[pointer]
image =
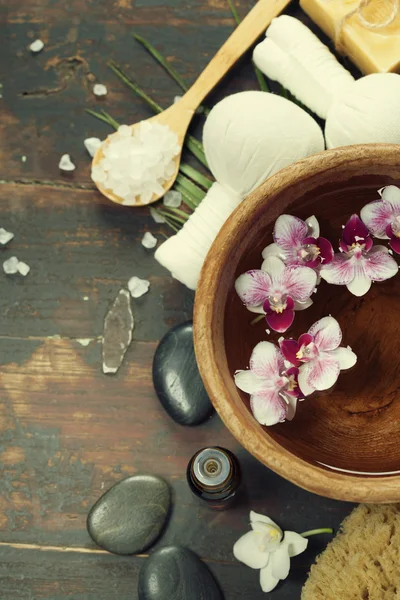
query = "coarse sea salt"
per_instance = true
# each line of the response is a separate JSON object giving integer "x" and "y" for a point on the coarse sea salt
{"x": 23, "y": 268}
{"x": 172, "y": 199}
{"x": 149, "y": 241}
{"x": 66, "y": 163}
{"x": 99, "y": 89}
{"x": 36, "y": 46}
{"x": 157, "y": 217}
{"x": 10, "y": 266}
{"x": 136, "y": 163}
{"x": 5, "y": 236}
{"x": 92, "y": 145}
{"x": 138, "y": 287}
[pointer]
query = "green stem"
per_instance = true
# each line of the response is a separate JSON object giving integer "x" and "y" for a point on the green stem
{"x": 171, "y": 224}
{"x": 177, "y": 211}
{"x": 192, "y": 144}
{"x": 198, "y": 177}
{"x": 103, "y": 117}
{"x": 257, "y": 319}
{"x": 161, "y": 60}
{"x": 187, "y": 197}
{"x": 316, "y": 532}
{"x": 197, "y": 193}
{"x": 262, "y": 82}
{"x": 111, "y": 120}
{"x": 170, "y": 215}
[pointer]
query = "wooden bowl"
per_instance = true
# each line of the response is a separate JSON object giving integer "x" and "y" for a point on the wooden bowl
{"x": 344, "y": 443}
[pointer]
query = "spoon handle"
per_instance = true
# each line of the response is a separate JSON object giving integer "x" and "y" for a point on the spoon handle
{"x": 236, "y": 45}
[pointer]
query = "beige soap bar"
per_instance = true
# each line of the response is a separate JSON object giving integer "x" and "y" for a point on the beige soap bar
{"x": 372, "y": 50}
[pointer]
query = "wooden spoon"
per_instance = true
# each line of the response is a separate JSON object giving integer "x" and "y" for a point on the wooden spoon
{"x": 178, "y": 116}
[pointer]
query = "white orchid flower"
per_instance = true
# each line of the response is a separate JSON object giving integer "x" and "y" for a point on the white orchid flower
{"x": 269, "y": 549}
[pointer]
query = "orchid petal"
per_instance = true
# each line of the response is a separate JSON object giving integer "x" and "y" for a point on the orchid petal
{"x": 274, "y": 266}
{"x": 280, "y": 562}
{"x": 267, "y": 581}
{"x": 248, "y": 552}
{"x": 346, "y": 357}
{"x": 302, "y": 305}
{"x": 280, "y": 321}
{"x": 266, "y": 361}
{"x": 391, "y": 195}
{"x": 256, "y": 309}
{"x": 361, "y": 283}
{"x": 273, "y": 250}
{"x": 395, "y": 244}
{"x": 305, "y": 387}
{"x": 299, "y": 282}
{"x": 376, "y": 216}
{"x": 296, "y": 543}
{"x": 326, "y": 333}
{"x": 258, "y": 518}
{"x": 292, "y": 406}
{"x": 313, "y": 227}
{"x": 340, "y": 271}
{"x": 306, "y": 338}
{"x": 248, "y": 382}
{"x": 322, "y": 373}
{"x": 379, "y": 265}
{"x": 268, "y": 407}
{"x": 354, "y": 228}
{"x": 326, "y": 250}
{"x": 289, "y": 350}
{"x": 289, "y": 232}
{"x": 253, "y": 287}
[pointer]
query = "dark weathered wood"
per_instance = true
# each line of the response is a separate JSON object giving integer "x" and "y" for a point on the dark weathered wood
{"x": 68, "y": 432}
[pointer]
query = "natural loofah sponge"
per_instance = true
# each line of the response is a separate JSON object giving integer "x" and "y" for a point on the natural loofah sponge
{"x": 363, "y": 561}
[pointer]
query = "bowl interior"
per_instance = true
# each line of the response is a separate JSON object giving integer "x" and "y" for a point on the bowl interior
{"x": 354, "y": 427}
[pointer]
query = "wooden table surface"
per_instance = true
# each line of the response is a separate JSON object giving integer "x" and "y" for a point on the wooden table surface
{"x": 68, "y": 432}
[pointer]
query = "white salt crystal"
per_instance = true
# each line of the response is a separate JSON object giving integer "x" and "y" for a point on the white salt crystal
{"x": 36, "y": 46}
{"x": 177, "y": 98}
{"x": 268, "y": 331}
{"x": 137, "y": 162}
{"x": 390, "y": 251}
{"x": 99, "y": 89}
{"x": 23, "y": 159}
{"x": 23, "y": 268}
{"x": 149, "y": 241}
{"x": 138, "y": 287}
{"x": 158, "y": 218}
{"x": 92, "y": 145}
{"x": 10, "y": 266}
{"x": 84, "y": 341}
{"x": 172, "y": 199}
{"x": 86, "y": 298}
{"x": 66, "y": 163}
{"x": 5, "y": 236}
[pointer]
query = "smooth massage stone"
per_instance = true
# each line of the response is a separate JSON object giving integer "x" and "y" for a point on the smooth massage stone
{"x": 177, "y": 380}
{"x": 175, "y": 573}
{"x": 130, "y": 516}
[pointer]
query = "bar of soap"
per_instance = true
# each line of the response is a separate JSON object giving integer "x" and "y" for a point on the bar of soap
{"x": 372, "y": 50}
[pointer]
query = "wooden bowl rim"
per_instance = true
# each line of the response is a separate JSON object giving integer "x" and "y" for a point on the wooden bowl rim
{"x": 213, "y": 367}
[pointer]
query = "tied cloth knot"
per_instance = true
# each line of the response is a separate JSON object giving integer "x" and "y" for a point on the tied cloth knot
{"x": 381, "y": 14}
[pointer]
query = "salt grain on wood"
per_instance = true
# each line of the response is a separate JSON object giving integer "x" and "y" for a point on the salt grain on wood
{"x": 149, "y": 241}
{"x": 157, "y": 217}
{"x": 136, "y": 163}
{"x": 172, "y": 199}
{"x": 36, "y": 46}
{"x": 23, "y": 268}
{"x": 138, "y": 287}
{"x": 10, "y": 266}
{"x": 99, "y": 89}
{"x": 5, "y": 236}
{"x": 92, "y": 145}
{"x": 66, "y": 163}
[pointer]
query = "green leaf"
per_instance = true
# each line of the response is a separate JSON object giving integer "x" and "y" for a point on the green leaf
{"x": 194, "y": 174}
{"x": 162, "y": 61}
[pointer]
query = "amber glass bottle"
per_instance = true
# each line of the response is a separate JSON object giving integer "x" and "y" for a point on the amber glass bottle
{"x": 213, "y": 475}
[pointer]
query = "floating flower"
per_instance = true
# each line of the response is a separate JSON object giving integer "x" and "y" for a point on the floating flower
{"x": 382, "y": 217}
{"x": 273, "y": 390}
{"x": 360, "y": 262}
{"x": 267, "y": 548}
{"x": 276, "y": 290}
{"x": 319, "y": 356}
{"x": 297, "y": 242}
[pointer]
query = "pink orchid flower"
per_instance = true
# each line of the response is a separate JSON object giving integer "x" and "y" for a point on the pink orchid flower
{"x": 319, "y": 356}
{"x": 297, "y": 242}
{"x": 276, "y": 290}
{"x": 273, "y": 390}
{"x": 359, "y": 263}
{"x": 382, "y": 217}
